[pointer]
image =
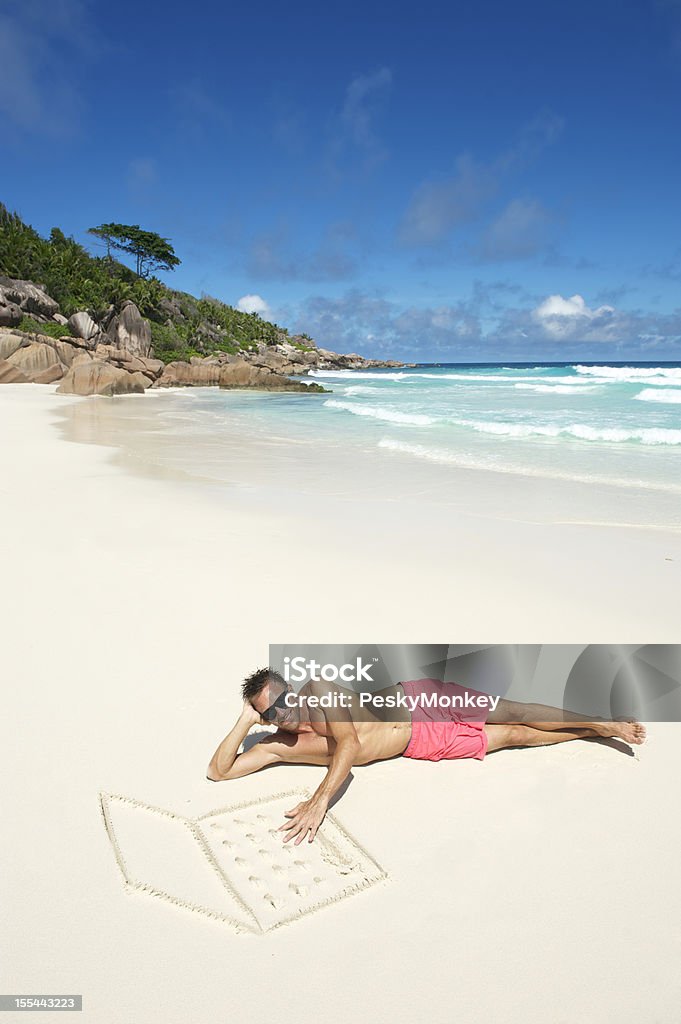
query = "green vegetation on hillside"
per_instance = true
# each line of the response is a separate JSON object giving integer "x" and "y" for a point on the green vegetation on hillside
{"x": 181, "y": 325}
{"x": 52, "y": 329}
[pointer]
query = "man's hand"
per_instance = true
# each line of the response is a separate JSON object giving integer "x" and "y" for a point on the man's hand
{"x": 305, "y": 818}
{"x": 249, "y": 715}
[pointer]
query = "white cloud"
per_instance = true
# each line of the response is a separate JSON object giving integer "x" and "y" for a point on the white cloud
{"x": 520, "y": 231}
{"x": 363, "y": 95}
{"x": 564, "y": 318}
{"x": 483, "y": 327}
{"x": 437, "y": 207}
{"x": 273, "y": 257}
{"x": 253, "y": 304}
{"x": 373, "y": 325}
{"x": 354, "y": 142}
{"x": 535, "y": 136}
{"x": 440, "y": 205}
{"x": 556, "y": 305}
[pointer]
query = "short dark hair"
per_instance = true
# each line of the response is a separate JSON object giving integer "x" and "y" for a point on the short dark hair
{"x": 258, "y": 680}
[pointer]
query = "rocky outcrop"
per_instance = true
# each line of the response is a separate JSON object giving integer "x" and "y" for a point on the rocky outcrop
{"x": 83, "y": 326}
{"x": 80, "y": 365}
{"x": 36, "y": 358}
{"x": 198, "y": 373}
{"x": 11, "y": 374}
{"x": 93, "y": 377}
{"x": 129, "y": 330}
{"x": 241, "y": 374}
{"x": 41, "y": 359}
{"x": 114, "y": 355}
{"x": 29, "y": 297}
{"x": 230, "y": 372}
{"x": 288, "y": 357}
{"x": 13, "y": 346}
{"x": 33, "y": 359}
{"x": 124, "y": 360}
{"x": 10, "y": 341}
{"x": 10, "y": 314}
{"x": 86, "y": 366}
{"x": 171, "y": 309}
{"x": 50, "y": 375}
{"x": 66, "y": 348}
{"x": 282, "y": 359}
{"x": 326, "y": 360}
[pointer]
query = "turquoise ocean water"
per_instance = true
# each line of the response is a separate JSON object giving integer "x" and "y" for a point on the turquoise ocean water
{"x": 595, "y": 423}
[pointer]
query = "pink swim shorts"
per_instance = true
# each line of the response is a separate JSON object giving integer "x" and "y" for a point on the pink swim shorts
{"x": 443, "y": 733}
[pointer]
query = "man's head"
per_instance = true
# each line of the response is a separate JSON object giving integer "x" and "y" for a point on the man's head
{"x": 265, "y": 690}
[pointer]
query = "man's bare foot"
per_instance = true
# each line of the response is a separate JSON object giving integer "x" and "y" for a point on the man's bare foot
{"x": 630, "y": 732}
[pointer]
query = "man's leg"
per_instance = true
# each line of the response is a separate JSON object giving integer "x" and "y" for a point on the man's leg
{"x": 545, "y": 718}
{"x": 499, "y": 737}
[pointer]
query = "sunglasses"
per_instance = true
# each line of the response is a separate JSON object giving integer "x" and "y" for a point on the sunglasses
{"x": 270, "y": 713}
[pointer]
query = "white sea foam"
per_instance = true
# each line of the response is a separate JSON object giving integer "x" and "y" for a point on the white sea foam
{"x": 585, "y": 381}
{"x": 559, "y": 389}
{"x": 469, "y": 462}
{"x": 510, "y": 429}
{"x": 631, "y": 373}
{"x": 439, "y": 455}
{"x": 579, "y": 431}
{"x": 484, "y": 377}
{"x": 668, "y": 396}
{"x": 361, "y": 389}
{"x": 381, "y": 413}
{"x": 644, "y": 435}
{"x": 357, "y": 375}
{"x": 466, "y": 377}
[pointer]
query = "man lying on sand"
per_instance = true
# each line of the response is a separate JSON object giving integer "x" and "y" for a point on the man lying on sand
{"x": 430, "y": 720}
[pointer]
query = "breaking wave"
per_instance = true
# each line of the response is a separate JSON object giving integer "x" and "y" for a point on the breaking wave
{"x": 464, "y": 461}
{"x": 560, "y": 389}
{"x": 631, "y": 373}
{"x": 381, "y": 413}
{"x": 644, "y": 435}
{"x": 668, "y": 396}
{"x": 361, "y": 389}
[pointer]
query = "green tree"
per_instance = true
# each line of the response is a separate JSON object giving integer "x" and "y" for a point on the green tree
{"x": 151, "y": 251}
{"x": 107, "y": 233}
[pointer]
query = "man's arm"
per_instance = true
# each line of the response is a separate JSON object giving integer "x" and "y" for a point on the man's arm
{"x": 227, "y": 763}
{"x": 307, "y": 816}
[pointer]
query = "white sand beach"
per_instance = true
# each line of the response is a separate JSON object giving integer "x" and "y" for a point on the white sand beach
{"x": 536, "y": 886}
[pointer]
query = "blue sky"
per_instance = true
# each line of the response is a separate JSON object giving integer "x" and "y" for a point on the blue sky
{"x": 480, "y": 180}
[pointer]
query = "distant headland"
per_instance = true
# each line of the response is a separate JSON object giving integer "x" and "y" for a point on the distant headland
{"x": 93, "y": 325}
